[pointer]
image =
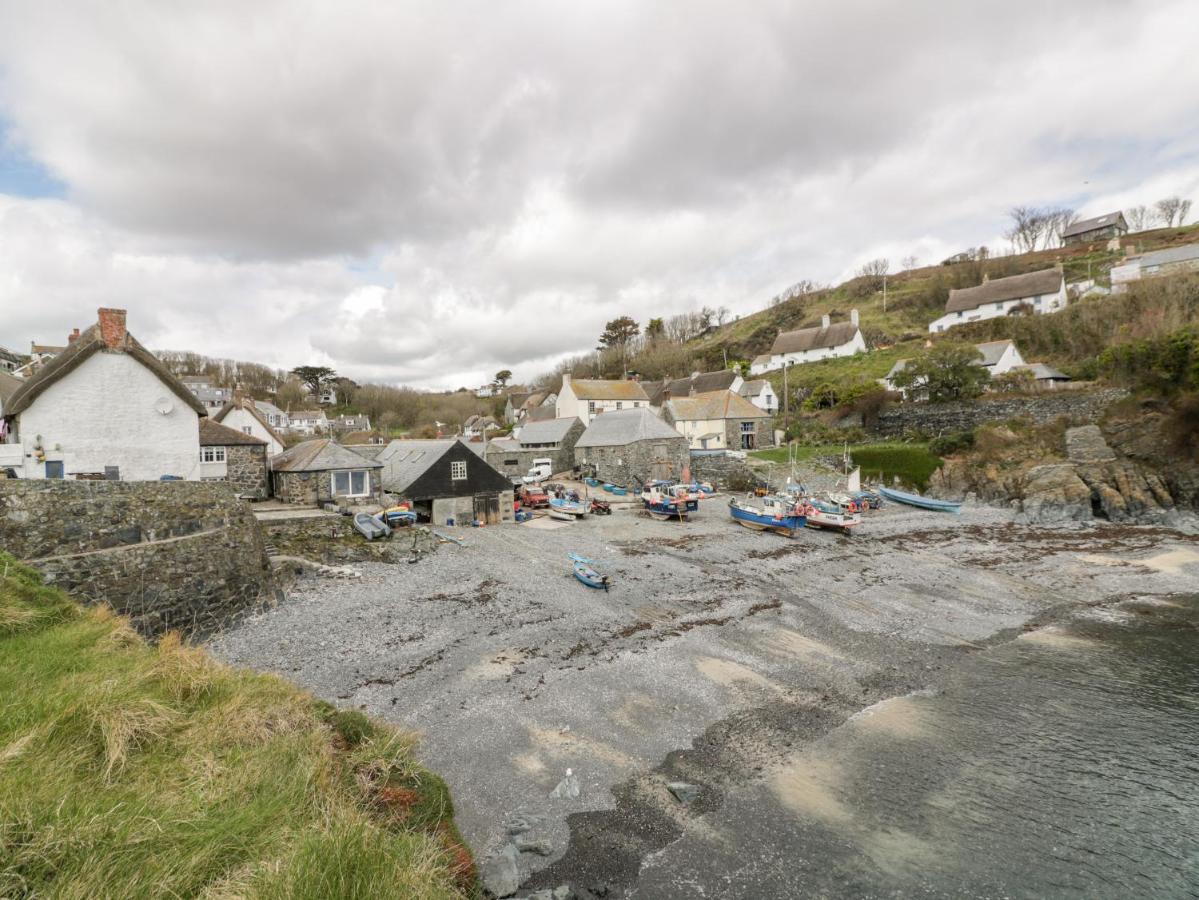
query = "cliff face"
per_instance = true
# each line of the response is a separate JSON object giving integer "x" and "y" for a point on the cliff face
{"x": 1121, "y": 472}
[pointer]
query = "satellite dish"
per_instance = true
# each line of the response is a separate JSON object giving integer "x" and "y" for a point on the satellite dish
{"x": 164, "y": 405}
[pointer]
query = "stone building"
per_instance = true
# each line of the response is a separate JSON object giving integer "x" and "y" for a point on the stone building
{"x": 553, "y": 439}
{"x": 244, "y": 415}
{"x": 631, "y": 447}
{"x": 446, "y": 481}
{"x": 235, "y": 457}
{"x": 719, "y": 420}
{"x": 322, "y": 471}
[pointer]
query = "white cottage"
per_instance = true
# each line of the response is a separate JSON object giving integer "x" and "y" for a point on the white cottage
{"x": 1033, "y": 292}
{"x": 588, "y": 398}
{"x": 245, "y": 415}
{"x": 811, "y": 344}
{"x": 761, "y": 394}
{"x": 103, "y": 407}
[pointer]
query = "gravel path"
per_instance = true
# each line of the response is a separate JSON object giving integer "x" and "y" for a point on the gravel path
{"x": 716, "y": 650}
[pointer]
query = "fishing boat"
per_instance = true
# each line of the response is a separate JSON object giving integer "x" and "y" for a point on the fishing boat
{"x": 922, "y": 502}
{"x": 398, "y": 516}
{"x": 662, "y": 506}
{"x": 371, "y": 527}
{"x": 572, "y": 508}
{"x": 824, "y": 514}
{"x": 778, "y": 514}
{"x": 846, "y": 502}
{"x": 585, "y": 571}
{"x": 674, "y": 491}
{"x": 560, "y": 515}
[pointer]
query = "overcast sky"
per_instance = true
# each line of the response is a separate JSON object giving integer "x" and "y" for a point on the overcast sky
{"x": 425, "y": 193}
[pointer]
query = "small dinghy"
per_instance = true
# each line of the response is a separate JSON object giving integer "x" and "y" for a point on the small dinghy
{"x": 920, "y": 501}
{"x": 777, "y": 514}
{"x": 560, "y": 515}
{"x": 585, "y": 571}
{"x": 371, "y": 527}
{"x": 570, "y": 507}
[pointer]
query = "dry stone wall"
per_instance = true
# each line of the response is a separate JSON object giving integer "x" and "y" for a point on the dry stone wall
{"x": 943, "y": 418}
{"x": 184, "y": 555}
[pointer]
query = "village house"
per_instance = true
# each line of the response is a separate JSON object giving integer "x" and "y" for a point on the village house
{"x": 760, "y": 393}
{"x": 347, "y": 424}
{"x": 1045, "y": 377}
{"x": 308, "y": 421}
{"x": 477, "y": 426}
{"x": 806, "y": 345}
{"x": 998, "y": 357}
{"x": 588, "y": 398}
{"x": 521, "y": 404}
{"x": 205, "y": 391}
{"x": 105, "y": 407}
{"x": 447, "y": 482}
{"x": 275, "y": 417}
{"x": 719, "y": 420}
{"x": 1034, "y": 292}
{"x": 246, "y": 416}
{"x": 322, "y": 471}
{"x": 1100, "y": 228}
{"x": 697, "y": 382}
{"x": 235, "y": 457}
{"x": 10, "y": 361}
{"x": 1171, "y": 261}
{"x": 554, "y": 439}
{"x": 631, "y": 446}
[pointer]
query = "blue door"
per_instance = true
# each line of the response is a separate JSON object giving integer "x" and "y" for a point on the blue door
{"x": 54, "y": 468}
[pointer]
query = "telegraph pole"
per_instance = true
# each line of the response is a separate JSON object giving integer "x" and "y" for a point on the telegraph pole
{"x": 786, "y": 400}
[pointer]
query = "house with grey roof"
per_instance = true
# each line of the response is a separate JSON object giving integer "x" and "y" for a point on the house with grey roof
{"x": 552, "y": 439}
{"x": 1170, "y": 261}
{"x": 1033, "y": 293}
{"x": 236, "y": 457}
{"x": 696, "y": 383}
{"x": 446, "y": 482}
{"x": 760, "y": 393}
{"x": 588, "y": 398}
{"x": 631, "y": 447}
{"x": 826, "y": 341}
{"x": 719, "y": 420}
{"x": 212, "y": 396}
{"x": 1099, "y": 228}
{"x": 322, "y": 471}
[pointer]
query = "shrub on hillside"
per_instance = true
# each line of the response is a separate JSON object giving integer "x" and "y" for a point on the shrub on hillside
{"x": 1182, "y": 426}
{"x": 1163, "y": 365}
{"x": 954, "y": 442}
{"x": 946, "y": 372}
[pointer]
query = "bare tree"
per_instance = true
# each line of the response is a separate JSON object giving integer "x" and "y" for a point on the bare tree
{"x": 1057, "y": 220}
{"x": 1138, "y": 217}
{"x": 722, "y": 314}
{"x": 1172, "y": 210}
{"x": 875, "y": 268}
{"x": 801, "y": 288}
{"x": 1028, "y": 224}
{"x": 910, "y": 262}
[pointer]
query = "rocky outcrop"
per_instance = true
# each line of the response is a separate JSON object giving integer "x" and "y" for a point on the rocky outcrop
{"x": 1093, "y": 481}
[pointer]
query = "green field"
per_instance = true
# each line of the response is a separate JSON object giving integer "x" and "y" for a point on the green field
{"x": 913, "y": 464}
{"x": 131, "y": 770}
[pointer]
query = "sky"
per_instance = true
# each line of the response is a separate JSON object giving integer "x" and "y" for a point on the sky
{"x": 424, "y": 194}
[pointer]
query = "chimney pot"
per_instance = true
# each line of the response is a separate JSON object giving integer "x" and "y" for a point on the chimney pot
{"x": 73, "y": 336}
{"x": 825, "y": 321}
{"x": 853, "y": 316}
{"x": 112, "y": 326}
{"x": 565, "y": 379}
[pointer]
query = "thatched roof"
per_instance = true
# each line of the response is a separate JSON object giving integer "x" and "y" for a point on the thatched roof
{"x": 998, "y": 290}
{"x": 818, "y": 338}
{"x": 77, "y": 352}
{"x": 213, "y": 434}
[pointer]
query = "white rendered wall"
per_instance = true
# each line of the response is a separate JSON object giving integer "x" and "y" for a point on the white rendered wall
{"x": 104, "y": 413}
{"x": 239, "y": 419}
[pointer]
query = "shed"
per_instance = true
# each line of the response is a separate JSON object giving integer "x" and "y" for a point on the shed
{"x": 446, "y": 480}
{"x": 323, "y": 471}
{"x": 630, "y": 447}
{"x": 235, "y": 457}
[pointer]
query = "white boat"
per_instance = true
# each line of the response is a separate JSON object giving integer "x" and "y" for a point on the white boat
{"x": 560, "y": 515}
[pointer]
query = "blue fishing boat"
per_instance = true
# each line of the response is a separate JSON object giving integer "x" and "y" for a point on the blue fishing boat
{"x": 768, "y": 514}
{"x": 585, "y": 571}
{"x": 571, "y": 507}
{"x": 917, "y": 500}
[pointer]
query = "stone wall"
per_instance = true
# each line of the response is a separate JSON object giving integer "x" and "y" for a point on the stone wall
{"x": 245, "y": 467}
{"x": 515, "y": 463}
{"x": 763, "y": 433}
{"x": 725, "y": 472}
{"x": 636, "y": 463}
{"x": 300, "y": 488}
{"x": 171, "y": 555}
{"x": 943, "y": 418}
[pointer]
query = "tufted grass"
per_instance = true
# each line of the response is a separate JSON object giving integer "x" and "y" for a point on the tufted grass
{"x": 131, "y": 770}
{"x": 913, "y": 464}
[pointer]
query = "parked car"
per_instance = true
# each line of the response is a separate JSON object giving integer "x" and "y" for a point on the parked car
{"x": 533, "y": 497}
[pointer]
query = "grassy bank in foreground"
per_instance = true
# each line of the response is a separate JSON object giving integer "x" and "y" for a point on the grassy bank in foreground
{"x": 130, "y": 770}
{"x": 913, "y": 464}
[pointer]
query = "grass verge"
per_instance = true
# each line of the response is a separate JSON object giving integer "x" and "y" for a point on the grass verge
{"x": 131, "y": 770}
{"x": 913, "y": 463}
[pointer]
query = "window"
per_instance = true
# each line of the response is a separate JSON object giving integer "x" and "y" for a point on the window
{"x": 591, "y": 407}
{"x": 458, "y": 470}
{"x": 619, "y": 405}
{"x": 245, "y": 429}
{"x": 512, "y": 462}
{"x": 747, "y": 427}
{"x": 212, "y": 454}
{"x": 351, "y": 483}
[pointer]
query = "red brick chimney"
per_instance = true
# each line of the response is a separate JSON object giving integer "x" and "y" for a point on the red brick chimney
{"x": 72, "y": 336}
{"x": 112, "y": 326}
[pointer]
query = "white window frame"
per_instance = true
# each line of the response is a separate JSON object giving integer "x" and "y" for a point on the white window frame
{"x": 458, "y": 470}
{"x": 591, "y": 407}
{"x": 349, "y": 475}
{"x": 247, "y": 429}
{"x": 212, "y": 454}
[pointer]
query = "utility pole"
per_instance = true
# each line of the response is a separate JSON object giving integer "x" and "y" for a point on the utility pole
{"x": 884, "y": 291}
{"x": 725, "y": 353}
{"x": 786, "y": 400}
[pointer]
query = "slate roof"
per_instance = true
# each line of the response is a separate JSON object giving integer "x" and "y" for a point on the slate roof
{"x": 596, "y": 389}
{"x": 252, "y": 409}
{"x": 992, "y": 351}
{"x": 997, "y": 290}
{"x": 818, "y": 338}
{"x": 406, "y": 461}
{"x": 320, "y": 455}
{"x": 713, "y": 405}
{"x": 752, "y": 388}
{"x": 900, "y": 365}
{"x": 1084, "y": 225}
{"x": 306, "y": 414}
{"x": 214, "y": 434}
{"x": 551, "y": 431}
{"x": 1043, "y": 372}
{"x": 626, "y": 426}
{"x": 1169, "y": 255}
{"x": 77, "y": 352}
{"x": 539, "y": 414}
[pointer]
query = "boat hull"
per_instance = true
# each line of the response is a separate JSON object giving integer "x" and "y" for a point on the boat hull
{"x": 784, "y": 525}
{"x": 588, "y": 576}
{"x": 920, "y": 502}
{"x": 666, "y": 510}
